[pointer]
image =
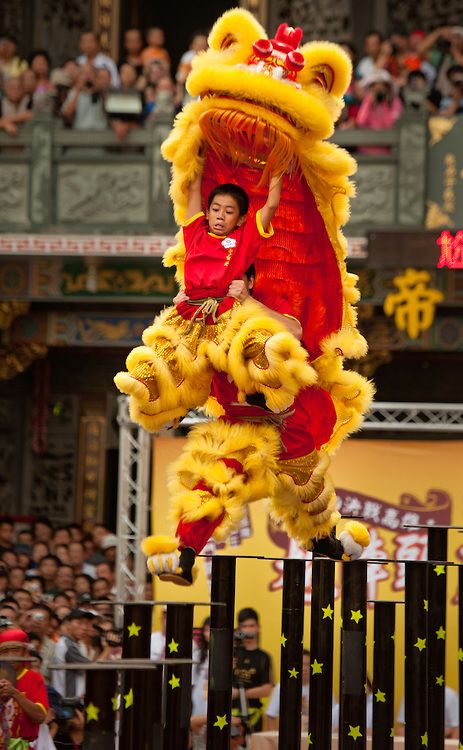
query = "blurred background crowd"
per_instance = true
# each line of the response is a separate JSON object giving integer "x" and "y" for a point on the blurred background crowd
{"x": 91, "y": 91}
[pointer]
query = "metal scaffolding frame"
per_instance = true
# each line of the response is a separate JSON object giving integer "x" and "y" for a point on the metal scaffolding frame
{"x": 135, "y": 462}
{"x": 132, "y": 504}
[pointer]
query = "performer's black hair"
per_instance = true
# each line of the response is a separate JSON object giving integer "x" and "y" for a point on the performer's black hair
{"x": 248, "y": 613}
{"x": 250, "y": 272}
{"x": 235, "y": 191}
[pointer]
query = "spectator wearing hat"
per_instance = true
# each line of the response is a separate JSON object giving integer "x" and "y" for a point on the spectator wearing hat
{"x": 70, "y": 683}
{"x": 380, "y": 108}
{"x": 23, "y": 699}
{"x": 108, "y": 546}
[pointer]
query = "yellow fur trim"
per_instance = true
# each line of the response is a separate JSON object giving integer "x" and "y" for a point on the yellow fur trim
{"x": 358, "y": 532}
{"x": 256, "y": 447}
{"x": 213, "y": 409}
{"x": 155, "y": 422}
{"x": 158, "y": 545}
{"x": 326, "y": 53}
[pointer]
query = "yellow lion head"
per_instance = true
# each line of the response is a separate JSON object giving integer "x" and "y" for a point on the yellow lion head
{"x": 301, "y": 86}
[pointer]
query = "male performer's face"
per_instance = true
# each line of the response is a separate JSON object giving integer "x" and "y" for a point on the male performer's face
{"x": 223, "y": 215}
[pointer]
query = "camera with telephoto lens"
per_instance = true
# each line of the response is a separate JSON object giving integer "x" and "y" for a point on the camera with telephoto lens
{"x": 69, "y": 707}
{"x": 242, "y": 635}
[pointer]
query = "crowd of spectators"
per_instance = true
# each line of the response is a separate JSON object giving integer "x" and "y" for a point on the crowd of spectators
{"x": 57, "y": 585}
{"x": 91, "y": 91}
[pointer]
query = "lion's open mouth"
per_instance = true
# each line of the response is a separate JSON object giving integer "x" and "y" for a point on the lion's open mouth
{"x": 218, "y": 96}
{"x": 248, "y": 139}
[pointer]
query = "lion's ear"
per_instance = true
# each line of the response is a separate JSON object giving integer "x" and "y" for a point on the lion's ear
{"x": 327, "y": 65}
{"x": 234, "y": 33}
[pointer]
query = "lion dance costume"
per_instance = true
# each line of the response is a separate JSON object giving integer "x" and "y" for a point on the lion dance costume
{"x": 264, "y": 107}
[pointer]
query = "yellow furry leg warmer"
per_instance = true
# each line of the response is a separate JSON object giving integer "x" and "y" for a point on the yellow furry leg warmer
{"x": 223, "y": 467}
{"x": 305, "y": 501}
{"x": 261, "y": 356}
{"x": 169, "y": 375}
{"x": 352, "y": 395}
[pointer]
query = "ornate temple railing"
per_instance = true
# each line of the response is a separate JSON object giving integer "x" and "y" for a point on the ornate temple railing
{"x": 57, "y": 180}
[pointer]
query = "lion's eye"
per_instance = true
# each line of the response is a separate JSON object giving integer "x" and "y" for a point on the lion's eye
{"x": 228, "y": 41}
{"x": 323, "y": 75}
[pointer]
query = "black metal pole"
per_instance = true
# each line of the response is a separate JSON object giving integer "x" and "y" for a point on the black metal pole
{"x": 223, "y": 572}
{"x": 141, "y": 695}
{"x": 99, "y": 713}
{"x": 292, "y": 632}
{"x": 436, "y": 636}
{"x": 383, "y": 676}
{"x": 416, "y": 604}
{"x": 177, "y": 684}
{"x": 352, "y": 722}
{"x": 321, "y": 653}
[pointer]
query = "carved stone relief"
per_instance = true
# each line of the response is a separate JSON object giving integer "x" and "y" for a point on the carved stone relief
{"x": 427, "y": 14}
{"x": 319, "y": 19}
{"x": 41, "y": 174}
{"x": 14, "y": 190}
{"x": 374, "y": 204}
{"x": 94, "y": 193}
{"x": 412, "y": 173}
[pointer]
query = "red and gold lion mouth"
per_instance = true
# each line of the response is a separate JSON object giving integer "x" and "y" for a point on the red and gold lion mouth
{"x": 248, "y": 139}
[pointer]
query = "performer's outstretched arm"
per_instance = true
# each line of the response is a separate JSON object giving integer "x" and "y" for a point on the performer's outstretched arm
{"x": 194, "y": 198}
{"x": 273, "y": 199}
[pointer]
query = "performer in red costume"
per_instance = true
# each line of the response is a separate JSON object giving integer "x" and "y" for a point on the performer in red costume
{"x": 23, "y": 702}
{"x": 303, "y": 428}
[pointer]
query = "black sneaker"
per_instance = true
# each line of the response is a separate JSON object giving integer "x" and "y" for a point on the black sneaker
{"x": 183, "y": 576}
{"x": 328, "y": 546}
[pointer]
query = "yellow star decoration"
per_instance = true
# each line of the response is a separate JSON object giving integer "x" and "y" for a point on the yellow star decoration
{"x": 317, "y": 667}
{"x": 460, "y": 746}
{"x": 392, "y": 733}
{"x": 221, "y": 722}
{"x": 441, "y": 633}
{"x": 354, "y": 732}
{"x": 174, "y": 682}
{"x": 440, "y": 680}
{"x": 129, "y": 699}
{"x": 420, "y": 644}
{"x": 293, "y": 673}
{"x": 309, "y": 739}
{"x": 425, "y": 605}
{"x": 341, "y": 622}
{"x": 328, "y": 612}
{"x": 116, "y": 701}
{"x": 283, "y": 640}
{"x": 356, "y": 616}
{"x": 439, "y": 570}
{"x": 92, "y": 712}
{"x": 380, "y": 696}
{"x": 424, "y": 739}
{"x": 172, "y": 646}
{"x": 460, "y": 654}
{"x": 393, "y": 637}
{"x": 133, "y": 629}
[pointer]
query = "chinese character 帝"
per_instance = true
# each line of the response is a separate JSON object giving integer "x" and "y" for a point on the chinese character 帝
{"x": 413, "y": 306}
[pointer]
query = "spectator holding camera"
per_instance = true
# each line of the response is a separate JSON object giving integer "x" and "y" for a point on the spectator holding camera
{"x": 252, "y": 672}
{"x": 84, "y": 108}
{"x": 380, "y": 108}
{"x": 444, "y": 48}
{"x": 91, "y": 54}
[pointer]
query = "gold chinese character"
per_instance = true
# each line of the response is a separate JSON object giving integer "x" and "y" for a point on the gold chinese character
{"x": 413, "y": 306}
